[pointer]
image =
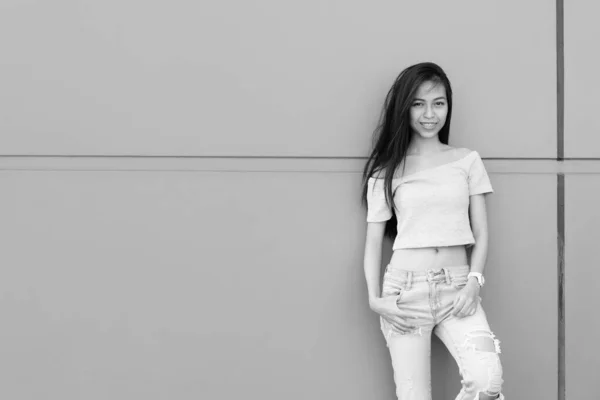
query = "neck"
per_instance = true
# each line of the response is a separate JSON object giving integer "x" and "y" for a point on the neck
{"x": 423, "y": 146}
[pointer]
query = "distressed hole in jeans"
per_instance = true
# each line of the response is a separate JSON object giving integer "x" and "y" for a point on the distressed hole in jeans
{"x": 484, "y": 342}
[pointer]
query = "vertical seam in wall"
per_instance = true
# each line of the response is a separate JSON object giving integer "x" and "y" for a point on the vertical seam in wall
{"x": 560, "y": 154}
{"x": 561, "y": 285}
{"x": 560, "y": 81}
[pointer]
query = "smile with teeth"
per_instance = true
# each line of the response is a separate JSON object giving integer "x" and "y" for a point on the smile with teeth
{"x": 428, "y": 125}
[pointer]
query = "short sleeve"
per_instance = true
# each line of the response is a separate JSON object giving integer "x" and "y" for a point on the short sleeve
{"x": 377, "y": 208}
{"x": 479, "y": 181}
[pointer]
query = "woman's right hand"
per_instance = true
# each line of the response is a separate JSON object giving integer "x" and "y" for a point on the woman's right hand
{"x": 389, "y": 310}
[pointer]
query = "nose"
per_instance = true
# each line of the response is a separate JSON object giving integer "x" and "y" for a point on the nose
{"x": 428, "y": 111}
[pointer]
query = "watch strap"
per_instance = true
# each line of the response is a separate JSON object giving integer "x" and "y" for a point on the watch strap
{"x": 478, "y": 276}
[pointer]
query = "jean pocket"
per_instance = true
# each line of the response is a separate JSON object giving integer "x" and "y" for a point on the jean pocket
{"x": 459, "y": 282}
{"x": 392, "y": 287}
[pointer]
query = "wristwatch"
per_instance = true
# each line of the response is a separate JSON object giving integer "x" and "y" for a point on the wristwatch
{"x": 479, "y": 276}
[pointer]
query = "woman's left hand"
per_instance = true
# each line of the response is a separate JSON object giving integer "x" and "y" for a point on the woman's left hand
{"x": 466, "y": 300}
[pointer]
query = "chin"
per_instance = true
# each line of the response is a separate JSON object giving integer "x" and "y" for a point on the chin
{"x": 428, "y": 135}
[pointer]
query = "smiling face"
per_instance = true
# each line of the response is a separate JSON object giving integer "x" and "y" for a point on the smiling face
{"x": 429, "y": 109}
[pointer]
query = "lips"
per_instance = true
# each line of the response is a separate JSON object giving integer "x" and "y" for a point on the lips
{"x": 428, "y": 125}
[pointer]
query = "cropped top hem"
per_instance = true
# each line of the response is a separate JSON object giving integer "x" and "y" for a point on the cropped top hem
{"x": 431, "y": 205}
{"x": 403, "y": 246}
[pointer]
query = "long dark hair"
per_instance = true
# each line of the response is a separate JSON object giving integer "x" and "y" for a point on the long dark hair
{"x": 393, "y": 133}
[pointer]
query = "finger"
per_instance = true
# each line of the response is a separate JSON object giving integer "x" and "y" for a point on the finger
{"x": 394, "y": 324}
{"x": 402, "y": 313}
{"x": 464, "y": 309}
{"x": 403, "y": 324}
{"x": 402, "y": 328}
{"x": 461, "y": 314}
{"x": 474, "y": 310}
{"x": 456, "y": 300}
{"x": 399, "y": 327}
{"x": 459, "y": 303}
{"x": 399, "y": 323}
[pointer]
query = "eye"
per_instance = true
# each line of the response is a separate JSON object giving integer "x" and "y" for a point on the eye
{"x": 440, "y": 103}
{"x": 417, "y": 104}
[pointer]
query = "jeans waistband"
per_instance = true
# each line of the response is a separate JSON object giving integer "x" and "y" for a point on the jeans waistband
{"x": 429, "y": 275}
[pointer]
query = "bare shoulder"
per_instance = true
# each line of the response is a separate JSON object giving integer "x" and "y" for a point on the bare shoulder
{"x": 462, "y": 152}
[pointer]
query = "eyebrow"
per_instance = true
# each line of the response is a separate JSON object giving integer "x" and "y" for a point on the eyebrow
{"x": 437, "y": 98}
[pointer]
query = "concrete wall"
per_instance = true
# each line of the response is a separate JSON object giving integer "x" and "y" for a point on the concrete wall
{"x": 180, "y": 207}
{"x": 582, "y": 187}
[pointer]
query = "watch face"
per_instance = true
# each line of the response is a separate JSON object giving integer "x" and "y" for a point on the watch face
{"x": 479, "y": 277}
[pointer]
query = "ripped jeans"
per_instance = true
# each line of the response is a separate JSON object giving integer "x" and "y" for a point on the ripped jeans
{"x": 428, "y": 296}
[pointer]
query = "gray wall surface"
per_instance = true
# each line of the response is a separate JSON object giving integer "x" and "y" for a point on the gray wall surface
{"x": 180, "y": 193}
{"x": 264, "y": 78}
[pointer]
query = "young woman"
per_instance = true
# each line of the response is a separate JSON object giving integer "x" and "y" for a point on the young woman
{"x": 430, "y": 198}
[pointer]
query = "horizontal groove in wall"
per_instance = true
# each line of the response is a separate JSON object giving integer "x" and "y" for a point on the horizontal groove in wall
{"x": 251, "y": 157}
{"x": 159, "y": 156}
{"x": 322, "y": 165}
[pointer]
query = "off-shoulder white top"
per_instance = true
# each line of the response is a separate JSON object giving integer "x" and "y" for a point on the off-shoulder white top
{"x": 432, "y": 205}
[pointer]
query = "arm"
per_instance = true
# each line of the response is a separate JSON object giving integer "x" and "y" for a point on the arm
{"x": 384, "y": 306}
{"x": 479, "y": 185}
{"x": 372, "y": 259}
{"x": 479, "y": 226}
{"x": 465, "y": 302}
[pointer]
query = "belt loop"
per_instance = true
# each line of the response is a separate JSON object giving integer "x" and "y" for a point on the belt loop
{"x": 447, "y": 273}
{"x": 409, "y": 279}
